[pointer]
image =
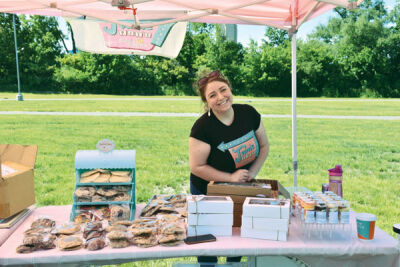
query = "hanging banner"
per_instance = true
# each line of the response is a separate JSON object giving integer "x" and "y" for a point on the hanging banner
{"x": 110, "y": 38}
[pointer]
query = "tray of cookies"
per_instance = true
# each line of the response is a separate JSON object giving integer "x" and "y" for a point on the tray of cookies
{"x": 104, "y": 178}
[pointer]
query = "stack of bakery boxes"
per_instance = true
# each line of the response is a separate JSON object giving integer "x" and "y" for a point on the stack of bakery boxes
{"x": 209, "y": 215}
{"x": 265, "y": 218}
{"x": 105, "y": 184}
{"x": 256, "y": 207}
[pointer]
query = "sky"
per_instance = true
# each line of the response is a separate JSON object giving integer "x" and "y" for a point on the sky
{"x": 248, "y": 32}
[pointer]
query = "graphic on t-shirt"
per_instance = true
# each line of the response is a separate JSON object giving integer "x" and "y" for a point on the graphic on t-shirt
{"x": 243, "y": 150}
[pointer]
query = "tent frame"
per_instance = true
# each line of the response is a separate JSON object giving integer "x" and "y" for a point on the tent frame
{"x": 193, "y": 13}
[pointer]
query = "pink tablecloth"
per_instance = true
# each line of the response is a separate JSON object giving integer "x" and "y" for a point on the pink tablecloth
{"x": 382, "y": 250}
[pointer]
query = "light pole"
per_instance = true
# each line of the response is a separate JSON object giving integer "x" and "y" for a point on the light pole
{"x": 19, "y": 95}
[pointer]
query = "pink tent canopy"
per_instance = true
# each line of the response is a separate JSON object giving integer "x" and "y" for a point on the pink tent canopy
{"x": 283, "y": 14}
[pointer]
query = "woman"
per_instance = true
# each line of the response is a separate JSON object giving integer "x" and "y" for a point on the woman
{"x": 228, "y": 143}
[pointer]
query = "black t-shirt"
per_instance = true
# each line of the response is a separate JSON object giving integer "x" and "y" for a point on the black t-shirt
{"x": 232, "y": 147}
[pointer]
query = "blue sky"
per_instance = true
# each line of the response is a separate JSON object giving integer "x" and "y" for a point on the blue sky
{"x": 247, "y": 32}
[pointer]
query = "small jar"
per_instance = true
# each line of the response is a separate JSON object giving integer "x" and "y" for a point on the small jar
{"x": 344, "y": 211}
{"x": 333, "y": 215}
{"x": 309, "y": 211}
{"x": 320, "y": 212}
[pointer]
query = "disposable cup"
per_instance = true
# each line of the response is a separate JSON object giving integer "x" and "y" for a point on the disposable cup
{"x": 365, "y": 226}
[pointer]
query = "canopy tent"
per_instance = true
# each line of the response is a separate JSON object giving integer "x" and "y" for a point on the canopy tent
{"x": 287, "y": 15}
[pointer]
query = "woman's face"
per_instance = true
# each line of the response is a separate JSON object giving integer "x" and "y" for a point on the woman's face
{"x": 219, "y": 96}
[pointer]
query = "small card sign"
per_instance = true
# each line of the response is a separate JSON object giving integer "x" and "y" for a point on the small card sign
{"x": 105, "y": 145}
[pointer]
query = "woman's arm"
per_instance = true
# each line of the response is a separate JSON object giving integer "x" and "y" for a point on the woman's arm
{"x": 264, "y": 149}
{"x": 198, "y": 154}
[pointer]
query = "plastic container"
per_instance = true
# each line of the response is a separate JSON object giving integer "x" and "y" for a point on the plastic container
{"x": 365, "y": 226}
{"x": 335, "y": 180}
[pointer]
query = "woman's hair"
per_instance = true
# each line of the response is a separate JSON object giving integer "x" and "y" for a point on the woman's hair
{"x": 206, "y": 78}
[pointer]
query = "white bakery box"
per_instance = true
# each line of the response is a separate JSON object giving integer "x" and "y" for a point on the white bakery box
{"x": 210, "y": 215}
{"x": 265, "y": 218}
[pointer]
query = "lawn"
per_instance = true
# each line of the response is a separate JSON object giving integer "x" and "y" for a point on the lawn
{"x": 104, "y": 103}
{"x": 369, "y": 150}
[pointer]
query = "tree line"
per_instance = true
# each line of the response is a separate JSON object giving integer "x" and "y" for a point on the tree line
{"x": 355, "y": 55}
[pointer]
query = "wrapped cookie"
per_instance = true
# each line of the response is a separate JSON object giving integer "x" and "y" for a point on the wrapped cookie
{"x": 119, "y": 213}
{"x": 68, "y": 243}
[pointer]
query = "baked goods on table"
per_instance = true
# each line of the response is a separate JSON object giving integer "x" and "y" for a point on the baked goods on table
{"x": 97, "y": 226}
{"x": 105, "y": 176}
{"x": 165, "y": 204}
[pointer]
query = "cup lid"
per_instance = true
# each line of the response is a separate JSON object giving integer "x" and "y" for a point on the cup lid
{"x": 396, "y": 228}
{"x": 366, "y": 217}
{"x": 337, "y": 171}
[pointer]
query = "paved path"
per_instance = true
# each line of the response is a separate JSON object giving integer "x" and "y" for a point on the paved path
{"x": 166, "y": 114}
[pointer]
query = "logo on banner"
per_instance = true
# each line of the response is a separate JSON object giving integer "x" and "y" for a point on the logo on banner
{"x": 243, "y": 150}
{"x": 118, "y": 36}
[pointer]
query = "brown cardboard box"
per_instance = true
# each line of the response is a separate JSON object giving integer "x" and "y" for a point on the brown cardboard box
{"x": 239, "y": 191}
{"x": 17, "y": 190}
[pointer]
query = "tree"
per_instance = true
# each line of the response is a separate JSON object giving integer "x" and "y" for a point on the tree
{"x": 276, "y": 37}
{"x": 8, "y": 77}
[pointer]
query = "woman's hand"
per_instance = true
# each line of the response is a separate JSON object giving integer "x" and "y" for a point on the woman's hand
{"x": 240, "y": 176}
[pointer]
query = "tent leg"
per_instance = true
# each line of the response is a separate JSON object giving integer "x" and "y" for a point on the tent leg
{"x": 19, "y": 95}
{"x": 294, "y": 123}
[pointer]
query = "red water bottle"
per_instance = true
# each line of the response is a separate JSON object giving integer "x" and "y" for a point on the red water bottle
{"x": 335, "y": 180}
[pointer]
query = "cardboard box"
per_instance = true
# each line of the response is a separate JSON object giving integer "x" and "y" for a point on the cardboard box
{"x": 239, "y": 191}
{"x": 209, "y": 204}
{"x": 267, "y": 188}
{"x": 17, "y": 190}
{"x": 209, "y": 229}
{"x": 266, "y": 207}
{"x": 265, "y": 223}
{"x": 210, "y": 219}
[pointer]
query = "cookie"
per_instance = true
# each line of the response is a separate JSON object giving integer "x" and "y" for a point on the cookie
{"x": 43, "y": 222}
{"x": 141, "y": 231}
{"x": 89, "y": 173}
{"x": 126, "y": 223}
{"x": 107, "y": 192}
{"x": 91, "y": 178}
{"x": 119, "y": 213}
{"x": 85, "y": 191}
{"x": 121, "y": 197}
{"x": 145, "y": 242}
{"x": 24, "y": 249}
{"x": 117, "y": 235}
{"x": 95, "y": 244}
{"x": 121, "y": 173}
{"x": 69, "y": 242}
{"x": 116, "y": 227}
{"x": 68, "y": 228}
{"x": 119, "y": 243}
{"x": 103, "y": 178}
{"x": 119, "y": 179}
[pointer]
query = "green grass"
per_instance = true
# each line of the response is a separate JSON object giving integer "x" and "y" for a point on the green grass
{"x": 369, "y": 151}
{"x": 356, "y": 107}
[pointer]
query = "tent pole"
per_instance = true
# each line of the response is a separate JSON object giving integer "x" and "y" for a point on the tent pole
{"x": 294, "y": 123}
{"x": 19, "y": 95}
